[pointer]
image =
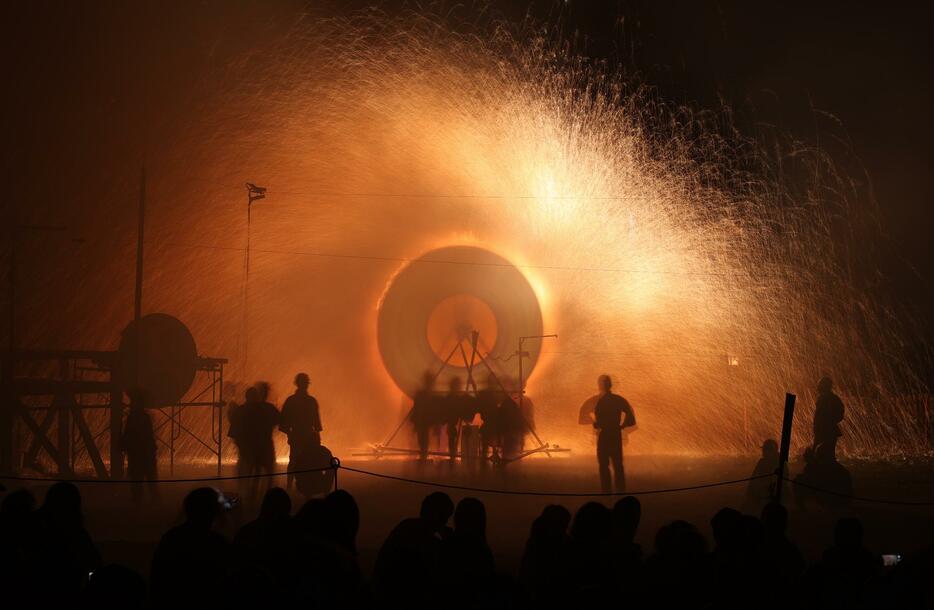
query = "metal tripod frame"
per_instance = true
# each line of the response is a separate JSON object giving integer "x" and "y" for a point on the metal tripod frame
{"x": 378, "y": 450}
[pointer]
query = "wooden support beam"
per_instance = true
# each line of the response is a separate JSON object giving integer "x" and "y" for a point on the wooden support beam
{"x": 88, "y": 439}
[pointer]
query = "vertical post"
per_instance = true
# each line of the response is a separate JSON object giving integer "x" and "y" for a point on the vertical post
{"x": 6, "y": 389}
{"x": 246, "y": 290}
{"x": 138, "y": 309}
{"x": 116, "y": 433}
{"x": 12, "y": 291}
{"x": 521, "y": 392}
{"x": 785, "y": 446}
{"x": 63, "y": 413}
{"x": 220, "y": 419}
{"x": 745, "y": 427}
{"x": 253, "y": 193}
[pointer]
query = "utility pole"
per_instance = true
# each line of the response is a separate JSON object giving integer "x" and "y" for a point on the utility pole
{"x": 138, "y": 309}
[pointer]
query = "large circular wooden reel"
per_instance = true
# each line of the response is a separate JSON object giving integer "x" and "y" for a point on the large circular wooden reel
{"x": 157, "y": 355}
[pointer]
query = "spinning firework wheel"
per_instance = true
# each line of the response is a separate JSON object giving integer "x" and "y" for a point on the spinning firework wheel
{"x": 451, "y": 310}
{"x": 434, "y": 304}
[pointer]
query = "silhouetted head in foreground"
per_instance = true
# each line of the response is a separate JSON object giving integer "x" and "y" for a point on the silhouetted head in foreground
{"x": 727, "y": 527}
{"x": 848, "y": 534}
{"x": 774, "y": 519}
{"x": 202, "y": 507}
{"x": 343, "y": 519}
{"x": 604, "y": 383}
{"x": 470, "y": 519}
{"x": 592, "y": 523}
{"x": 825, "y": 385}
{"x": 62, "y": 505}
{"x": 436, "y": 509}
{"x": 627, "y": 513}
{"x": 550, "y": 527}
{"x": 680, "y": 541}
{"x": 18, "y": 504}
{"x": 302, "y": 381}
{"x": 276, "y": 504}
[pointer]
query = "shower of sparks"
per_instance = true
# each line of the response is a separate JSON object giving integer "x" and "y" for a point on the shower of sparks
{"x": 667, "y": 251}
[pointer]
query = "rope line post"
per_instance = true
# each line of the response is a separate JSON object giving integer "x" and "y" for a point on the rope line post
{"x": 785, "y": 446}
{"x": 335, "y": 466}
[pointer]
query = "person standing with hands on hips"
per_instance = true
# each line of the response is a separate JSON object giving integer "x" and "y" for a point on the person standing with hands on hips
{"x": 607, "y": 421}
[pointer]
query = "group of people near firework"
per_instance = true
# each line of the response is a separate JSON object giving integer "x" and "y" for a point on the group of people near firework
{"x": 488, "y": 424}
{"x": 252, "y": 425}
{"x": 253, "y": 422}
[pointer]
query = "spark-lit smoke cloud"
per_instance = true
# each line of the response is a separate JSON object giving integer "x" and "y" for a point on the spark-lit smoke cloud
{"x": 664, "y": 248}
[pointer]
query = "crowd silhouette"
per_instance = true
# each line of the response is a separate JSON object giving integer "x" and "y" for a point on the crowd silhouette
{"x": 442, "y": 558}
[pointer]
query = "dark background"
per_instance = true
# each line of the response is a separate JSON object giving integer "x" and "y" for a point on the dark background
{"x": 88, "y": 84}
{"x": 788, "y": 63}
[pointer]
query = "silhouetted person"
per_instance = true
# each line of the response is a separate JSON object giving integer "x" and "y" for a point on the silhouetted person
{"x": 466, "y": 562}
{"x": 677, "y": 574}
{"x": 841, "y": 577}
{"x": 488, "y": 407}
{"x": 20, "y": 555}
{"x": 266, "y": 540}
{"x": 828, "y": 414}
{"x": 139, "y": 445}
{"x": 301, "y": 422}
{"x": 406, "y": 570}
{"x": 190, "y": 560}
{"x": 423, "y": 413}
{"x": 627, "y": 553}
{"x": 260, "y": 419}
{"x": 544, "y": 569}
{"x": 779, "y": 561}
{"x": 609, "y": 422}
{"x": 592, "y": 569}
{"x": 760, "y": 490}
{"x": 237, "y": 431}
{"x": 324, "y": 563}
{"x": 453, "y": 410}
{"x": 627, "y": 512}
{"x": 822, "y": 472}
{"x": 731, "y": 570}
{"x": 67, "y": 553}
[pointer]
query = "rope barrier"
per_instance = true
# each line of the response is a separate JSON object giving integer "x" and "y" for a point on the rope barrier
{"x": 551, "y": 493}
{"x": 191, "y": 480}
{"x": 858, "y": 498}
{"x": 336, "y": 465}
